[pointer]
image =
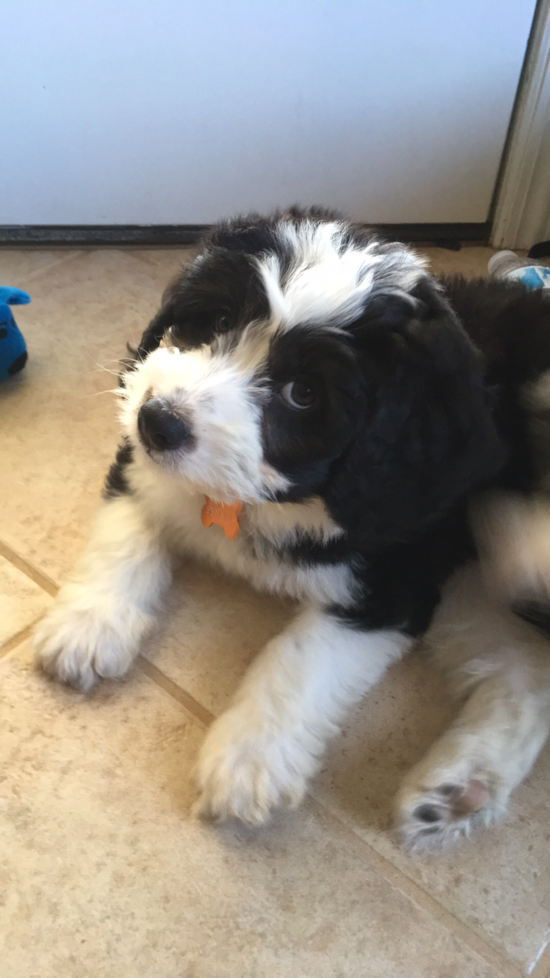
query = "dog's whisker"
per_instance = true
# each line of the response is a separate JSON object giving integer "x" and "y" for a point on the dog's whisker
{"x": 118, "y": 391}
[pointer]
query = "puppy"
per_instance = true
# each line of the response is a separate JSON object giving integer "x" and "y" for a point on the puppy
{"x": 311, "y": 409}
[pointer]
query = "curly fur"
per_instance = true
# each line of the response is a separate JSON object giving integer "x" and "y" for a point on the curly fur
{"x": 412, "y": 396}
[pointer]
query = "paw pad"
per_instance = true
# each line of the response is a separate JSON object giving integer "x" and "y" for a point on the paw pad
{"x": 440, "y": 813}
{"x": 428, "y": 813}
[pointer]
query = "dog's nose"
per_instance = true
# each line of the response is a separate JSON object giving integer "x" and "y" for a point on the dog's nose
{"x": 159, "y": 428}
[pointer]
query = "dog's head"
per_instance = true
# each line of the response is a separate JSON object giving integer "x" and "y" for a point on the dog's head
{"x": 299, "y": 356}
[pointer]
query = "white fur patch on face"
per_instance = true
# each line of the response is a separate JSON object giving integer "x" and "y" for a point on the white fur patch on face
{"x": 215, "y": 388}
{"x": 215, "y": 392}
{"x": 329, "y": 279}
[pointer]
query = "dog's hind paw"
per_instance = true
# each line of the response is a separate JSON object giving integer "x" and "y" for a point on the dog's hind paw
{"x": 430, "y": 815}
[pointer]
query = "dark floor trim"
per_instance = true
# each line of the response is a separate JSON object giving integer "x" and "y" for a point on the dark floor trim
{"x": 100, "y": 234}
{"x": 184, "y": 234}
{"x": 437, "y": 233}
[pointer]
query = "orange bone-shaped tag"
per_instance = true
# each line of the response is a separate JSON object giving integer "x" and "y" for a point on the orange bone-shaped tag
{"x": 222, "y": 514}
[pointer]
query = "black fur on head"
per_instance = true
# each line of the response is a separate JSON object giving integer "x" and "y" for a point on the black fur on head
{"x": 400, "y": 423}
{"x": 223, "y": 286}
{"x": 425, "y": 435}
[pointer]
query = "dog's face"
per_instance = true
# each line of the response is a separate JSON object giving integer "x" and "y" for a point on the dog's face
{"x": 299, "y": 356}
{"x": 256, "y": 388}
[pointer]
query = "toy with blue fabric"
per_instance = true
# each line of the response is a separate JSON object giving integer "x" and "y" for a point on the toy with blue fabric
{"x": 13, "y": 349}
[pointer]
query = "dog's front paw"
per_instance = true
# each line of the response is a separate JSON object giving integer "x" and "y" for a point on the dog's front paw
{"x": 246, "y": 770}
{"x": 77, "y": 644}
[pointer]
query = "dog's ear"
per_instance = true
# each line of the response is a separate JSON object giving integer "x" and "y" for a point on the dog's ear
{"x": 427, "y": 435}
{"x": 160, "y": 323}
{"x": 210, "y": 295}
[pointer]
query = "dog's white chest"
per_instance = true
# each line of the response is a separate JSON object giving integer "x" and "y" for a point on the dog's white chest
{"x": 254, "y": 554}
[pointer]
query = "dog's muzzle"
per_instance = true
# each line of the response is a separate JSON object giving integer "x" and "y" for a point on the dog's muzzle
{"x": 159, "y": 428}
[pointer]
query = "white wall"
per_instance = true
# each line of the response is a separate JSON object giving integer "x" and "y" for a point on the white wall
{"x": 179, "y": 111}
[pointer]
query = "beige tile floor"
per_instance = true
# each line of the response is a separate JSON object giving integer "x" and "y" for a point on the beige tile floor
{"x": 103, "y": 871}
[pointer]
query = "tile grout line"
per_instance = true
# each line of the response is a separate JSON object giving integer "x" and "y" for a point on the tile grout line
{"x": 185, "y": 699}
{"x": 32, "y": 276}
{"x": 541, "y": 968}
{"x": 73, "y": 252}
{"x": 27, "y": 568}
{"x": 381, "y": 864}
{"x": 384, "y": 867}
{"x": 21, "y": 636}
{"x": 144, "y": 259}
{"x": 391, "y": 873}
{"x": 190, "y": 704}
{"x": 181, "y": 251}
{"x": 505, "y": 967}
{"x": 395, "y": 876}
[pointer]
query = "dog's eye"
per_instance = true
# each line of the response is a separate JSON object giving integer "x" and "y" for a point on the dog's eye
{"x": 223, "y": 322}
{"x": 300, "y": 393}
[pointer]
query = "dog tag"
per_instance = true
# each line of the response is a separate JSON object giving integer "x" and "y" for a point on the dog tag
{"x": 222, "y": 514}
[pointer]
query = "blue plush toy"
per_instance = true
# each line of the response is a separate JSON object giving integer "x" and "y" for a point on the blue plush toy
{"x": 13, "y": 350}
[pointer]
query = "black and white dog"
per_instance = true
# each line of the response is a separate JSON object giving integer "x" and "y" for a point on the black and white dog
{"x": 329, "y": 407}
